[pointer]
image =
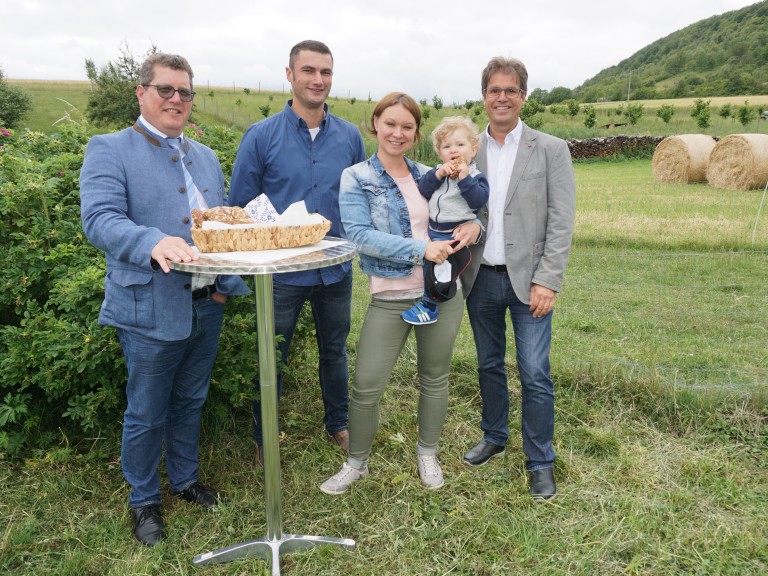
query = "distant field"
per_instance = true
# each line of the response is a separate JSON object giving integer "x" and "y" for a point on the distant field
{"x": 231, "y": 106}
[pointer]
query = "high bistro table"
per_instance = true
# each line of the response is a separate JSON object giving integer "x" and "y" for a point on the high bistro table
{"x": 328, "y": 252}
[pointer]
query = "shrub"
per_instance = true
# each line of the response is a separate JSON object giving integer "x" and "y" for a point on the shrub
{"x": 15, "y": 104}
{"x": 58, "y": 368}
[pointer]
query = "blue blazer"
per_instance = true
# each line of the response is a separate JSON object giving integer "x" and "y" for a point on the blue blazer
{"x": 131, "y": 196}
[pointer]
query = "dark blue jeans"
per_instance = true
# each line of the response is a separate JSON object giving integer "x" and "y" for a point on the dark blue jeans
{"x": 492, "y": 295}
{"x": 331, "y": 308}
{"x": 167, "y": 387}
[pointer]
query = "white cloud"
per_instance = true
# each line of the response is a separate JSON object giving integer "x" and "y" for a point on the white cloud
{"x": 423, "y": 48}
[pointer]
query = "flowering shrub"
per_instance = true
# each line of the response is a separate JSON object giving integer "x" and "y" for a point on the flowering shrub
{"x": 58, "y": 368}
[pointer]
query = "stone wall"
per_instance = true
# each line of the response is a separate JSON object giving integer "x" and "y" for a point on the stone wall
{"x": 608, "y": 145}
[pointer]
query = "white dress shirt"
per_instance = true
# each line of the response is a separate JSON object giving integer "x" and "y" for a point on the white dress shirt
{"x": 501, "y": 160}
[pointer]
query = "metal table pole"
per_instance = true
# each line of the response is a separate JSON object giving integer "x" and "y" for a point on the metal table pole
{"x": 275, "y": 543}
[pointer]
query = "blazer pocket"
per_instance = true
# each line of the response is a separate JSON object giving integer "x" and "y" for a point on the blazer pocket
{"x": 534, "y": 175}
{"x": 128, "y": 297}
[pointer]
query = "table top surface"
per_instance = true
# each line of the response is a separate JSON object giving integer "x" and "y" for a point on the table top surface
{"x": 340, "y": 251}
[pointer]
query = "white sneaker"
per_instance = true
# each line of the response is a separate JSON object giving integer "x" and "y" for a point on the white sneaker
{"x": 429, "y": 471}
{"x": 342, "y": 480}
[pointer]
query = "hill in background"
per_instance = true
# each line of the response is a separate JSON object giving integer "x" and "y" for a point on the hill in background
{"x": 725, "y": 55}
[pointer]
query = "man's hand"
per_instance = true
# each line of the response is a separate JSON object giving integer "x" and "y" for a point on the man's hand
{"x": 174, "y": 249}
{"x": 542, "y": 300}
{"x": 467, "y": 235}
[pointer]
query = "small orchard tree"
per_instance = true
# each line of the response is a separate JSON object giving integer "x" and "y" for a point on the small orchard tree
{"x": 590, "y": 116}
{"x": 247, "y": 91}
{"x": 701, "y": 112}
{"x": 265, "y": 110}
{"x": 746, "y": 114}
{"x": 665, "y": 112}
{"x": 726, "y": 111}
{"x": 15, "y": 104}
{"x": 437, "y": 102}
{"x": 112, "y": 100}
{"x": 634, "y": 113}
{"x": 573, "y": 108}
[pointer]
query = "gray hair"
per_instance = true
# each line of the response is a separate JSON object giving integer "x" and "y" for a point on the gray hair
{"x": 172, "y": 61}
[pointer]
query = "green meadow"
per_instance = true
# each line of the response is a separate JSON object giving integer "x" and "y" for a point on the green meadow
{"x": 660, "y": 365}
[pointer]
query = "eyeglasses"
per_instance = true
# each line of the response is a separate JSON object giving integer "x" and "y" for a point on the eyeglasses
{"x": 167, "y": 92}
{"x": 495, "y": 92}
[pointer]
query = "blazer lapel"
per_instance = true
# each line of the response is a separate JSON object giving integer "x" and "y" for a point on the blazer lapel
{"x": 524, "y": 152}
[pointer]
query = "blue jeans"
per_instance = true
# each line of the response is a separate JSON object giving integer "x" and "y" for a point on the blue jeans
{"x": 331, "y": 308}
{"x": 491, "y": 296}
{"x": 167, "y": 387}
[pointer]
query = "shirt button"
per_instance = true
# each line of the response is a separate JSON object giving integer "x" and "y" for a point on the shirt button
{"x": 185, "y": 219}
{"x": 187, "y": 286}
{"x": 182, "y": 190}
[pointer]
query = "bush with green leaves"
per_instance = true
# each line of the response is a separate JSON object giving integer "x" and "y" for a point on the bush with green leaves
{"x": 590, "y": 116}
{"x": 60, "y": 370}
{"x": 746, "y": 114}
{"x": 15, "y": 104}
{"x": 665, "y": 112}
{"x": 112, "y": 100}
{"x": 702, "y": 113}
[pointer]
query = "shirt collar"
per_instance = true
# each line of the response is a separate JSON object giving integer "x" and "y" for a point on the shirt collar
{"x": 155, "y": 131}
{"x": 298, "y": 121}
{"x": 513, "y": 136}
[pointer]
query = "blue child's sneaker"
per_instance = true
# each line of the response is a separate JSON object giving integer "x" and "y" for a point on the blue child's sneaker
{"x": 420, "y": 314}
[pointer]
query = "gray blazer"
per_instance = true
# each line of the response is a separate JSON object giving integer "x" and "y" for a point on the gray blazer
{"x": 132, "y": 195}
{"x": 538, "y": 215}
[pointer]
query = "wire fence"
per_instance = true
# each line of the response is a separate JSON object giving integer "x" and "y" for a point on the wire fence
{"x": 691, "y": 320}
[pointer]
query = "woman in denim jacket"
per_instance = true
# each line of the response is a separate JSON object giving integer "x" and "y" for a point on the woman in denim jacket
{"x": 386, "y": 217}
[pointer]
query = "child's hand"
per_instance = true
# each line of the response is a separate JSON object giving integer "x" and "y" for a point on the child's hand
{"x": 444, "y": 171}
{"x": 458, "y": 168}
{"x": 463, "y": 170}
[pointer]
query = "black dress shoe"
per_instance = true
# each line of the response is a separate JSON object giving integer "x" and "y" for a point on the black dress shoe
{"x": 148, "y": 525}
{"x": 199, "y": 494}
{"x": 543, "y": 484}
{"x": 481, "y": 453}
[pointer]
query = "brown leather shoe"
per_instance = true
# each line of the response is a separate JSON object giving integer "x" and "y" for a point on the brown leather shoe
{"x": 341, "y": 439}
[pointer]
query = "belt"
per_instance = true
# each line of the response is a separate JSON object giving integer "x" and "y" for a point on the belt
{"x": 204, "y": 292}
{"x": 500, "y": 268}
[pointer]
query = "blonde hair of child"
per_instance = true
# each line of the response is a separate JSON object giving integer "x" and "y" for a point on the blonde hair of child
{"x": 449, "y": 125}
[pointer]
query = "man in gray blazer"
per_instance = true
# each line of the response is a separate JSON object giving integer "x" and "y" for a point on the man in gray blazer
{"x": 137, "y": 188}
{"x": 519, "y": 268}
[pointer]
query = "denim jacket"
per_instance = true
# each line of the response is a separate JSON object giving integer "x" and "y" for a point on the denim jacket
{"x": 376, "y": 219}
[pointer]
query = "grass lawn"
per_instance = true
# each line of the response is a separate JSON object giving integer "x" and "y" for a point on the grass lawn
{"x": 659, "y": 359}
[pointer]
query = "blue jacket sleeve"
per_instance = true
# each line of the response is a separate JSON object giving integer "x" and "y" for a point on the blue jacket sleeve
{"x": 429, "y": 183}
{"x": 475, "y": 190}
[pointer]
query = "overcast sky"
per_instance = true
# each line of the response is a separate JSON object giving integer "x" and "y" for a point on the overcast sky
{"x": 422, "y": 48}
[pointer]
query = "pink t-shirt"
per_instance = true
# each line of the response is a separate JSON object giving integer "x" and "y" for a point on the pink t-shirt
{"x": 410, "y": 286}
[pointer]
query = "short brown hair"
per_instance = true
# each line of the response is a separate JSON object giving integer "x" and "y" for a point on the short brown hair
{"x": 393, "y": 99}
{"x": 311, "y": 46}
{"x": 172, "y": 61}
{"x": 505, "y": 66}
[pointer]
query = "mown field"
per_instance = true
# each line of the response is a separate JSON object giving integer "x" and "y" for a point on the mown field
{"x": 659, "y": 358}
{"x": 58, "y": 101}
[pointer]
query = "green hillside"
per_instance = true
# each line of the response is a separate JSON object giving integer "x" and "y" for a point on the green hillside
{"x": 724, "y": 55}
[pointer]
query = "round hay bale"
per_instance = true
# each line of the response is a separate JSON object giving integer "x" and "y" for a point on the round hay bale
{"x": 682, "y": 159}
{"x": 739, "y": 162}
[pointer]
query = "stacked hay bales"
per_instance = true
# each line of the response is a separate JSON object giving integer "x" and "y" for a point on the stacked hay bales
{"x": 739, "y": 162}
{"x": 682, "y": 159}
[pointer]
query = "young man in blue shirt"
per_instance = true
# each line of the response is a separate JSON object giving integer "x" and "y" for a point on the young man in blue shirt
{"x": 299, "y": 154}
